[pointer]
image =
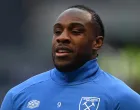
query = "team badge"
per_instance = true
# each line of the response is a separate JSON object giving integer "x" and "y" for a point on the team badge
{"x": 89, "y": 103}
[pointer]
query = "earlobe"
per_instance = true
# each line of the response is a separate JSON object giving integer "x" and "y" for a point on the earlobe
{"x": 97, "y": 43}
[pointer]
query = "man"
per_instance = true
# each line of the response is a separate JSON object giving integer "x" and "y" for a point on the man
{"x": 77, "y": 82}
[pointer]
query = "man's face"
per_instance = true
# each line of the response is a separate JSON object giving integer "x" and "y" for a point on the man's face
{"x": 72, "y": 41}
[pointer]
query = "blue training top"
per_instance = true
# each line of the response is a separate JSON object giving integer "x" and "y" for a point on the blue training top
{"x": 87, "y": 88}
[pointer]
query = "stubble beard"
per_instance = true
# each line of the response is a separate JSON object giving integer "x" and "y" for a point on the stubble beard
{"x": 71, "y": 64}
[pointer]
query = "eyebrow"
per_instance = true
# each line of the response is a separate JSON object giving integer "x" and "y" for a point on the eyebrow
{"x": 71, "y": 24}
{"x": 76, "y": 24}
{"x": 57, "y": 25}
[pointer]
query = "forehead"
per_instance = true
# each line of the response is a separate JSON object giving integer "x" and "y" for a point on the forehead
{"x": 74, "y": 15}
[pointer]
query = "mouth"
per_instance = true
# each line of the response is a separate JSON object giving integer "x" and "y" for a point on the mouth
{"x": 62, "y": 51}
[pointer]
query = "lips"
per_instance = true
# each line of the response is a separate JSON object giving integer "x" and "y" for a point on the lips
{"x": 62, "y": 51}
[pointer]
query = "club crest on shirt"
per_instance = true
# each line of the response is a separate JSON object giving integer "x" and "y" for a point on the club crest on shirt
{"x": 89, "y": 103}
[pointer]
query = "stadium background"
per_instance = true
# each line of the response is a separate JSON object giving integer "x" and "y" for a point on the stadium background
{"x": 26, "y": 33}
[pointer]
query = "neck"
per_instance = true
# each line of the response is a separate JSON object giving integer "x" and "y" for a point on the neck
{"x": 86, "y": 71}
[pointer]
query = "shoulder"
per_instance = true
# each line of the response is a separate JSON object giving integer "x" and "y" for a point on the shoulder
{"x": 33, "y": 81}
{"x": 127, "y": 98}
{"x": 115, "y": 85}
{"x": 112, "y": 83}
{"x": 121, "y": 93}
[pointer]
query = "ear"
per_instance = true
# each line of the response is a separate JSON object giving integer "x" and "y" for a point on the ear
{"x": 97, "y": 43}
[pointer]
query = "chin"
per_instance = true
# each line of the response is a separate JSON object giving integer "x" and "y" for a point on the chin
{"x": 69, "y": 64}
{"x": 64, "y": 66}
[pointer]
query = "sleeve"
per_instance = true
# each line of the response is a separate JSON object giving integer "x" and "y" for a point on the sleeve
{"x": 7, "y": 103}
{"x": 130, "y": 101}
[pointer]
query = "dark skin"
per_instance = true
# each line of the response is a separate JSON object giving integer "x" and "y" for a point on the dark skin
{"x": 75, "y": 40}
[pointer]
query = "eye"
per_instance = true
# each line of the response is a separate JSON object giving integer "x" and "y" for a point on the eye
{"x": 77, "y": 31}
{"x": 57, "y": 32}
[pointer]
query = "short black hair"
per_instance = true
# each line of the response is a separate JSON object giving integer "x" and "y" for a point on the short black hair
{"x": 95, "y": 17}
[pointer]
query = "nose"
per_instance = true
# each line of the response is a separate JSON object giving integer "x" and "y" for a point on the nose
{"x": 63, "y": 38}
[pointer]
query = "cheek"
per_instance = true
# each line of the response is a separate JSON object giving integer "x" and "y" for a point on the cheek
{"x": 53, "y": 42}
{"x": 53, "y": 49}
{"x": 84, "y": 47}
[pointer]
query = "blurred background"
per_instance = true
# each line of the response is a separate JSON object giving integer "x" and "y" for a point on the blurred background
{"x": 26, "y": 34}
